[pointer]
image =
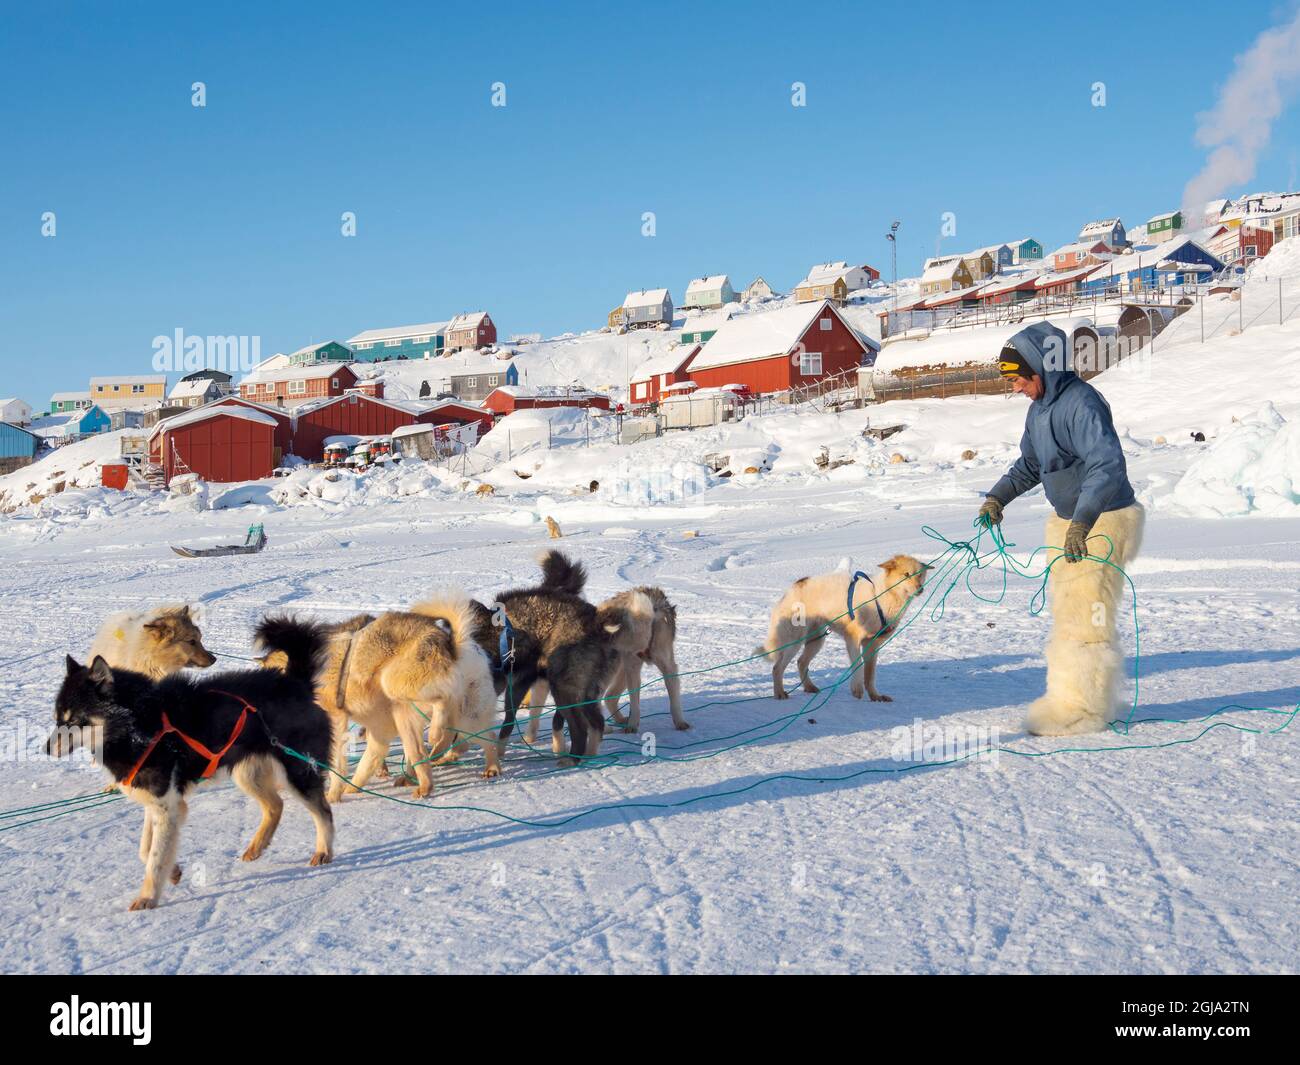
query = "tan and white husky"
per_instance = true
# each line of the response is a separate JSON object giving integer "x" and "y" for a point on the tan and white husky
{"x": 814, "y": 607}
{"x": 156, "y": 642}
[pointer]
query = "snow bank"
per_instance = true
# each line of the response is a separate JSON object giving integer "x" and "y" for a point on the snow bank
{"x": 1253, "y": 469}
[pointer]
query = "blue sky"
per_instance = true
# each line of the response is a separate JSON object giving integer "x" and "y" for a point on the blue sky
{"x": 226, "y": 219}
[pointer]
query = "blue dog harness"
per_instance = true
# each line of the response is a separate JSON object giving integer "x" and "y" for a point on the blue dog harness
{"x": 879, "y": 613}
{"x": 506, "y": 646}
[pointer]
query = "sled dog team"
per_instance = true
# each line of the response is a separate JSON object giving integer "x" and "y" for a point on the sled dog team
{"x": 437, "y": 669}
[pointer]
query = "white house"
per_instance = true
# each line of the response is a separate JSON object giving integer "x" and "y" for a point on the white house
{"x": 758, "y": 290}
{"x": 195, "y": 393}
{"x": 15, "y": 411}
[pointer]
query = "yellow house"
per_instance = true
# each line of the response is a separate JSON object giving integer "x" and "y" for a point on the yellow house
{"x": 945, "y": 275}
{"x": 129, "y": 391}
{"x": 824, "y": 282}
{"x": 980, "y": 265}
{"x": 615, "y": 318}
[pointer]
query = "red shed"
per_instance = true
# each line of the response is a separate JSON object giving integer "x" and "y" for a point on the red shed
{"x": 775, "y": 351}
{"x": 219, "y": 443}
{"x": 509, "y": 398}
{"x": 457, "y": 412}
{"x": 355, "y": 414}
{"x": 283, "y": 421}
{"x": 660, "y": 372}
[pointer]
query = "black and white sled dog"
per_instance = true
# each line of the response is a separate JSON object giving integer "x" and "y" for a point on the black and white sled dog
{"x": 160, "y": 738}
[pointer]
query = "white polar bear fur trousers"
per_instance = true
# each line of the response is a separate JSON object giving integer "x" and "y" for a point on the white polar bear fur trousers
{"x": 1084, "y": 660}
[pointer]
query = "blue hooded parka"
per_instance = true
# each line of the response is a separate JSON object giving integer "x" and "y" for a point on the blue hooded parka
{"x": 1069, "y": 445}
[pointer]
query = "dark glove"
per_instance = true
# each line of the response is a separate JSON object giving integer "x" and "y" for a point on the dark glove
{"x": 991, "y": 512}
{"x": 1076, "y": 541}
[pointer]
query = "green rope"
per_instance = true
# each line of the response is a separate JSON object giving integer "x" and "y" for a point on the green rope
{"x": 955, "y": 565}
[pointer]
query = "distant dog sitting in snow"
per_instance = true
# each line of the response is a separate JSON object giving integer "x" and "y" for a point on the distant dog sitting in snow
{"x": 814, "y": 607}
{"x": 157, "y": 642}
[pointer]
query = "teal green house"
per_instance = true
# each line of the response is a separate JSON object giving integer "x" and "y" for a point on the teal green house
{"x": 1025, "y": 250}
{"x": 400, "y": 342}
{"x": 327, "y": 351}
{"x": 66, "y": 402}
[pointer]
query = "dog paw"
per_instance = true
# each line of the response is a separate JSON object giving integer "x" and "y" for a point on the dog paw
{"x": 176, "y": 874}
{"x": 321, "y": 858}
{"x": 811, "y": 688}
{"x": 877, "y": 697}
{"x": 629, "y": 727}
{"x": 143, "y": 903}
{"x": 781, "y": 695}
{"x": 858, "y": 693}
{"x": 566, "y": 762}
{"x": 491, "y": 772}
{"x": 421, "y": 792}
{"x": 252, "y": 854}
{"x": 682, "y": 726}
{"x": 109, "y": 789}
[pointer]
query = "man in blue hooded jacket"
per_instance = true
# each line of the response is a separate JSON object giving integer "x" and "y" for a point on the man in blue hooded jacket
{"x": 1070, "y": 447}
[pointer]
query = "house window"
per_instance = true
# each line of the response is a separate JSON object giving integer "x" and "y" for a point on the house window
{"x": 471, "y": 382}
{"x": 826, "y": 325}
{"x": 297, "y": 388}
{"x": 492, "y": 381}
{"x": 334, "y": 383}
{"x": 115, "y": 388}
{"x": 392, "y": 343}
{"x": 137, "y": 390}
{"x": 810, "y": 363}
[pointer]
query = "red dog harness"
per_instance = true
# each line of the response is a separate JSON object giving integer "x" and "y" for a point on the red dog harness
{"x": 214, "y": 757}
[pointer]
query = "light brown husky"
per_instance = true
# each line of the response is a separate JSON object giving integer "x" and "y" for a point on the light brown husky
{"x": 156, "y": 642}
{"x": 397, "y": 673}
{"x": 814, "y": 607}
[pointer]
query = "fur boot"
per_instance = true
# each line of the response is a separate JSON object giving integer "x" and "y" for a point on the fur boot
{"x": 1084, "y": 660}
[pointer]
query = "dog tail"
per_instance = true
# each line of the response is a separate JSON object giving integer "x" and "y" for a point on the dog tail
{"x": 302, "y": 643}
{"x": 457, "y": 611}
{"x": 561, "y": 574}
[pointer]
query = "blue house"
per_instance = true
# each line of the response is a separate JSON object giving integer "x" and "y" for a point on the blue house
{"x": 73, "y": 423}
{"x": 424, "y": 341}
{"x": 17, "y": 447}
{"x": 1171, "y": 264}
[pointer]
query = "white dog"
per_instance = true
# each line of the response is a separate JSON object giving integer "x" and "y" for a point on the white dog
{"x": 814, "y": 607}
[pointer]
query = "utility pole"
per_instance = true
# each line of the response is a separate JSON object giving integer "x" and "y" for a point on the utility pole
{"x": 892, "y": 237}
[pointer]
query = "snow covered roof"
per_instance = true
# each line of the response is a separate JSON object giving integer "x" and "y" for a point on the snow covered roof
{"x": 1065, "y": 276}
{"x": 68, "y": 397}
{"x": 399, "y": 332}
{"x": 466, "y": 321}
{"x": 942, "y": 349}
{"x": 55, "y": 424}
{"x": 184, "y": 389}
{"x": 941, "y": 270}
{"x": 404, "y": 405}
{"x": 1104, "y": 225}
{"x": 1161, "y": 217}
{"x": 669, "y": 362}
{"x": 707, "y": 284}
{"x": 760, "y": 336}
{"x": 828, "y": 273}
{"x": 650, "y": 297}
{"x": 702, "y": 323}
{"x": 546, "y": 391}
{"x": 1166, "y": 250}
{"x": 1078, "y": 246}
{"x": 203, "y": 414}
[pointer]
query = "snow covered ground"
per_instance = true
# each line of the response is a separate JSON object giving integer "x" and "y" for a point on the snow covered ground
{"x": 816, "y": 844}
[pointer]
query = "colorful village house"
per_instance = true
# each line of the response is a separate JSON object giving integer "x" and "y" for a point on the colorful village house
{"x": 327, "y": 351}
{"x": 470, "y": 332}
{"x": 647, "y": 308}
{"x": 708, "y": 292}
{"x": 659, "y": 374}
{"x": 298, "y": 385}
{"x": 136, "y": 391}
{"x": 425, "y": 341}
{"x": 780, "y": 350}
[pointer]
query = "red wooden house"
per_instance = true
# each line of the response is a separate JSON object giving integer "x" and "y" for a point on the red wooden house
{"x": 509, "y": 398}
{"x": 298, "y": 385}
{"x": 458, "y": 412}
{"x": 475, "y": 330}
{"x": 670, "y": 368}
{"x": 355, "y": 414}
{"x": 779, "y": 350}
{"x": 219, "y": 443}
